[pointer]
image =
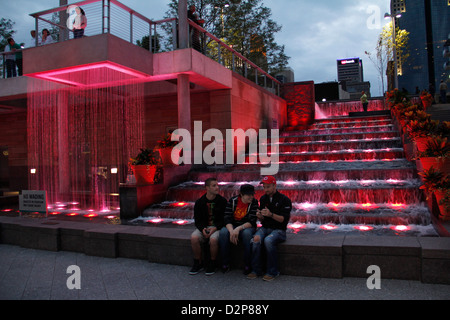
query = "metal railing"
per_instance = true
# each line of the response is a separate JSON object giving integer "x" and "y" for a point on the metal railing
{"x": 113, "y": 17}
{"x": 216, "y": 49}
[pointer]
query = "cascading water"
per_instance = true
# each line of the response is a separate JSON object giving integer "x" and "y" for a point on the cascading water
{"x": 80, "y": 138}
{"x": 342, "y": 174}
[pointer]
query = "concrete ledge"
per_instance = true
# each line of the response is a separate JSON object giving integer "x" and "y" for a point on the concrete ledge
{"x": 435, "y": 260}
{"x": 312, "y": 256}
{"x": 331, "y": 255}
{"x": 398, "y": 258}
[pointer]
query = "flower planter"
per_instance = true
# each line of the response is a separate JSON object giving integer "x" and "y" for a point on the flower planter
{"x": 167, "y": 158}
{"x": 443, "y": 213}
{"x": 144, "y": 174}
{"x": 421, "y": 143}
{"x": 429, "y": 162}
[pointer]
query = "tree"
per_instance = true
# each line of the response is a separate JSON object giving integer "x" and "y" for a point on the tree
{"x": 246, "y": 26}
{"x": 6, "y": 32}
{"x": 385, "y": 51}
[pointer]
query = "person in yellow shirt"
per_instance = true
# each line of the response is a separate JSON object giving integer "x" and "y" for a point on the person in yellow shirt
{"x": 364, "y": 101}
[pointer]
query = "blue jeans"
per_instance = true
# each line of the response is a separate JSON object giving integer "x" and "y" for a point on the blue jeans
{"x": 271, "y": 238}
{"x": 245, "y": 236}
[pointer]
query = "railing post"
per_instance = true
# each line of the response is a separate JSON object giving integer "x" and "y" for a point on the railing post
{"x": 131, "y": 27}
{"x": 219, "y": 53}
{"x": 174, "y": 34}
{"x": 36, "y": 27}
{"x": 233, "y": 62}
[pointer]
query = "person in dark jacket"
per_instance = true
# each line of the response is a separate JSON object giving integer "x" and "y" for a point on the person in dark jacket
{"x": 240, "y": 224}
{"x": 209, "y": 219}
{"x": 274, "y": 214}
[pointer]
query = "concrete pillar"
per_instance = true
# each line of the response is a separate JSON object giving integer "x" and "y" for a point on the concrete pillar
{"x": 184, "y": 102}
{"x": 183, "y": 26}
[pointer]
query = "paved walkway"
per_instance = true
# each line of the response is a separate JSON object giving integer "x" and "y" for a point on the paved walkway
{"x": 27, "y": 274}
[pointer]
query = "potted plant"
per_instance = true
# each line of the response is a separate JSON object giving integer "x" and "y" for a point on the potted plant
{"x": 144, "y": 166}
{"x": 165, "y": 148}
{"x": 427, "y": 99}
{"x": 421, "y": 130}
{"x": 432, "y": 180}
{"x": 444, "y": 205}
{"x": 436, "y": 152}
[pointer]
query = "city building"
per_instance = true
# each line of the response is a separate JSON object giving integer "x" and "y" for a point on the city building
{"x": 428, "y": 23}
{"x": 351, "y": 77}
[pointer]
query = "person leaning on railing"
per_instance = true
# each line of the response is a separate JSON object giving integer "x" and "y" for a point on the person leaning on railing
{"x": 79, "y": 24}
{"x": 13, "y": 59}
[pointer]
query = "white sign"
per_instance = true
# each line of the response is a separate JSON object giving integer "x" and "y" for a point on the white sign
{"x": 33, "y": 201}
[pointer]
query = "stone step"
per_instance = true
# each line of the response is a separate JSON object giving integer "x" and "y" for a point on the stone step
{"x": 319, "y": 213}
{"x": 350, "y": 129}
{"x": 339, "y": 136}
{"x": 331, "y": 145}
{"x": 341, "y": 155}
{"x": 379, "y": 173}
{"x": 317, "y": 191}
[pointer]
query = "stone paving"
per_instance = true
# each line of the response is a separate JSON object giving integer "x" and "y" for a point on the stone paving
{"x": 28, "y": 274}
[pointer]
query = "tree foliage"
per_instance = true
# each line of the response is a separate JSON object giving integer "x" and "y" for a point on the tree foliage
{"x": 6, "y": 31}
{"x": 385, "y": 50}
{"x": 246, "y": 26}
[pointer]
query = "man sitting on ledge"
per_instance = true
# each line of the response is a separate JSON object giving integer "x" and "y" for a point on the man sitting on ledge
{"x": 209, "y": 219}
{"x": 240, "y": 224}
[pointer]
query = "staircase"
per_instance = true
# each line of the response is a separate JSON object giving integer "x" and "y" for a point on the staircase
{"x": 339, "y": 171}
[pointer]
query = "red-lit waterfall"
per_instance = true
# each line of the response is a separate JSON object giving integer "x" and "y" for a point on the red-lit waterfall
{"x": 342, "y": 174}
{"x": 80, "y": 138}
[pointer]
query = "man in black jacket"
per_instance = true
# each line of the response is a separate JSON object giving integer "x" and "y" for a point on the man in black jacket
{"x": 209, "y": 219}
{"x": 274, "y": 213}
{"x": 240, "y": 224}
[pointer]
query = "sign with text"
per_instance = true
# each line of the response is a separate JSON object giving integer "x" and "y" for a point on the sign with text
{"x": 33, "y": 201}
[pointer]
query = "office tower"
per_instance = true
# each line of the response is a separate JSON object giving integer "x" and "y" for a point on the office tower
{"x": 428, "y": 22}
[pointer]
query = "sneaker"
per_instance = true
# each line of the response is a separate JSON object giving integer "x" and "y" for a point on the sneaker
{"x": 252, "y": 276}
{"x": 210, "y": 269}
{"x": 225, "y": 268}
{"x": 196, "y": 268}
{"x": 269, "y": 277}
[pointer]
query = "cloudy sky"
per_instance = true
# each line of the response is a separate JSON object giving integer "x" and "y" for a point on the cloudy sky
{"x": 316, "y": 33}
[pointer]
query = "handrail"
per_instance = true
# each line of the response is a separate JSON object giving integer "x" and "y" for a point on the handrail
{"x": 234, "y": 52}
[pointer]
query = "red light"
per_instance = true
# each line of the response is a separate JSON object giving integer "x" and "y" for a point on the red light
{"x": 54, "y": 213}
{"x": 328, "y": 227}
{"x": 7, "y": 210}
{"x": 297, "y": 226}
{"x": 156, "y": 221}
{"x": 366, "y": 205}
{"x": 72, "y": 214}
{"x": 180, "y": 222}
{"x": 180, "y": 204}
{"x": 110, "y": 217}
{"x": 363, "y": 228}
{"x": 401, "y": 228}
{"x": 91, "y": 215}
{"x": 397, "y": 205}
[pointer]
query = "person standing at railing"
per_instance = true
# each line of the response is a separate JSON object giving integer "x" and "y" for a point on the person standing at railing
{"x": 10, "y": 59}
{"x": 195, "y": 17}
{"x": 32, "y": 39}
{"x": 46, "y": 37}
{"x": 79, "y": 23}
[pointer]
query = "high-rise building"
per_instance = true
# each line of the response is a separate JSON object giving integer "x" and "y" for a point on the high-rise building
{"x": 428, "y": 22}
{"x": 350, "y": 70}
{"x": 351, "y": 77}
